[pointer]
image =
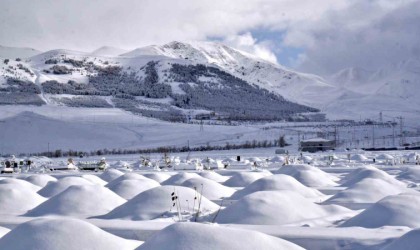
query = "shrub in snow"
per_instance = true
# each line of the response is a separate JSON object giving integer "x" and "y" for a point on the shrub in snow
{"x": 84, "y": 101}
{"x": 226, "y": 94}
{"x": 157, "y": 203}
{"x": 60, "y": 70}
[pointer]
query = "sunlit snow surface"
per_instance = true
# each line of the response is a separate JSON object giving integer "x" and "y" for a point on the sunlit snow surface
{"x": 343, "y": 204}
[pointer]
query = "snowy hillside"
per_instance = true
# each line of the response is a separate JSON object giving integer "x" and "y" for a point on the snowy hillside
{"x": 149, "y": 85}
{"x": 392, "y": 89}
{"x": 13, "y": 53}
{"x": 166, "y": 82}
{"x": 108, "y": 51}
{"x": 302, "y": 88}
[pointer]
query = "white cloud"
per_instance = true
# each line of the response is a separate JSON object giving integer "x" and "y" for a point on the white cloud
{"x": 86, "y": 25}
{"x": 246, "y": 42}
{"x": 368, "y": 34}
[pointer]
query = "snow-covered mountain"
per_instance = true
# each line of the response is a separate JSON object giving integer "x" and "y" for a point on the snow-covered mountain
{"x": 303, "y": 88}
{"x": 13, "y": 52}
{"x": 393, "y": 89}
{"x": 65, "y": 77}
{"x": 108, "y": 51}
{"x": 156, "y": 86}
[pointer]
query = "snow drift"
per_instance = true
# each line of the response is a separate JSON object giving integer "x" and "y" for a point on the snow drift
{"x": 130, "y": 188}
{"x": 308, "y": 175}
{"x": 242, "y": 179}
{"x": 274, "y": 208}
{"x": 396, "y": 210}
{"x": 63, "y": 234}
{"x": 278, "y": 182}
{"x": 79, "y": 201}
{"x": 182, "y": 236}
{"x": 211, "y": 189}
{"x": 40, "y": 180}
{"x": 368, "y": 190}
{"x": 409, "y": 241}
{"x": 17, "y": 200}
{"x": 53, "y": 188}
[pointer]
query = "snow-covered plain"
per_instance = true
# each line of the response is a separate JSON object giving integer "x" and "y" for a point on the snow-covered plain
{"x": 343, "y": 204}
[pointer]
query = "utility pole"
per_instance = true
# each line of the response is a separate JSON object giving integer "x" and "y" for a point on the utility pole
{"x": 335, "y": 135}
{"x": 298, "y": 132}
{"x": 402, "y": 130}
{"x": 49, "y": 149}
{"x": 380, "y": 117}
{"x": 393, "y": 133}
{"x": 373, "y": 135}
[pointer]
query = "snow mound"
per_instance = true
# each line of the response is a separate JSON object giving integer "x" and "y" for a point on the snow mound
{"x": 208, "y": 237}
{"x": 59, "y": 186}
{"x": 127, "y": 176}
{"x": 396, "y": 210}
{"x": 242, "y": 179}
{"x": 278, "y": 182}
{"x": 41, "y": 180}
{"x": 156, "y": 202}
{"x": 274, "y": 208}
{"x": 20, "y": 184}
{"x": 369, "y": 172}
{"x": 81, "y": 201}
{"x": 122, "y": 165}
{"x": 94, "y": 179}
{"x": 211, "y": 189}
{"x": 409, "y": 241}
{"x": 277, "y": 159}
{"x": 384, "y": 157}
{"x": 15, "y": 200}
{"x": 63, "y": 234}
{"x": 308, "y": 175}
{"x": 159, "y": 177}
{"x": 110, "y": 175}
{"x": 367, "y": 190}
{"x": 411, "y": 174}
{"x": 213, "y": 176}
{"x": 130, "y": 188}
{"x": 179, "y": 178}
{"x": 358, "y": 158}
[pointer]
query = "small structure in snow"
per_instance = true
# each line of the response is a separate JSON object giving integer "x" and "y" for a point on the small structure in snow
{"x": 317, "y": 144}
